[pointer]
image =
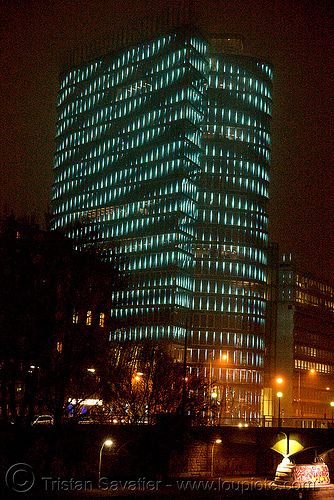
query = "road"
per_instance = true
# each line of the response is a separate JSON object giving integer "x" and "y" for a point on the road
{"x": 180, "y": 489}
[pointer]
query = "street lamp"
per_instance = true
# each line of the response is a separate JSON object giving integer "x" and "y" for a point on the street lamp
{"x": 217, "y": 441}
{"x": 108, "y": 443}
{"x": 332, "y": 406}
{"x": 137, "y": 376}
{"x": 277, "y": 383}
{"x": 279, "y": 395}
{"x": 214, "y": 393}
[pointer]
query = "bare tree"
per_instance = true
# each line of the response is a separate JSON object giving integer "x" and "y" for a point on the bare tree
{"x": 146, "y": 382}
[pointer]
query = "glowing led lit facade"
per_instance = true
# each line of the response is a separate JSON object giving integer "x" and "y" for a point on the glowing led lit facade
{"x": 163, "y": 148}
{"x": 128, "y": 148}
{"x": 231, "y": 254}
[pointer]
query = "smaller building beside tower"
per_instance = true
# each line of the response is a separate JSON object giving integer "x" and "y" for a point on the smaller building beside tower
{"x": 303, "y": 349}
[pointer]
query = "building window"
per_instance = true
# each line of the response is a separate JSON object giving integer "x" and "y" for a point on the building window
{"x": 89, "y": 318}
{"x": 75, "y": 317}
{"x": 102, "y": 318}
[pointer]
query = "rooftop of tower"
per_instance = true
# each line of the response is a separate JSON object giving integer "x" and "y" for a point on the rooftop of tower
{"x": 122, "y": 39}
{"x": 226, "y": 43}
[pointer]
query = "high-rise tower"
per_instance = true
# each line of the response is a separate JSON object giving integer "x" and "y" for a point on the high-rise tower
{"x": 128, "y": 149}
{"x": 163, "y": 149}
{"x": 231, "y": 254}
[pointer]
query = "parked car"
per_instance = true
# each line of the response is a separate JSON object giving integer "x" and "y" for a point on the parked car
{"x": 86, "y": 420}
{"x": 43, "y": 420}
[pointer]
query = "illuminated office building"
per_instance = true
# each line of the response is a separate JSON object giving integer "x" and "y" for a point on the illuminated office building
{"x": 304, "y": 346}
{"x": 231, "y": 253}
{"x": 128, "y": 148}
{"x": 163, "y": 149}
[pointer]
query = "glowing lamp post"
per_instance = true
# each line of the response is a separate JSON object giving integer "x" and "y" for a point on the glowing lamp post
{"x": 108, "y": 443}
{"x": 137, "y": 377}
{"x": 332, "y": 406}
{"x": 279, "y": 395}
{"x": 217, "y": 441}
{"x": 277, "y": 384}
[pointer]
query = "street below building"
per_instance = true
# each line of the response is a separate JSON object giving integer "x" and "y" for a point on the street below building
{"x": 179, "y": 488}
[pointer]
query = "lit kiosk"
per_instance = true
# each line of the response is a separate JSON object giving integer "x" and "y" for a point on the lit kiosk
{"x": 299, "y": 475}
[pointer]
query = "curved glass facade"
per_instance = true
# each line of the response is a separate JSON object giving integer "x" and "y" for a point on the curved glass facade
{"x": 163, "y": 149}
{"x": 231, "y": 254}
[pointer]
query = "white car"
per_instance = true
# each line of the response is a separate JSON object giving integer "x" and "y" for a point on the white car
{"x": 43, "y": 420}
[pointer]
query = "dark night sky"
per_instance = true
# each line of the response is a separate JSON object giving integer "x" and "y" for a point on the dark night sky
{"x": 296, "y": 37}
